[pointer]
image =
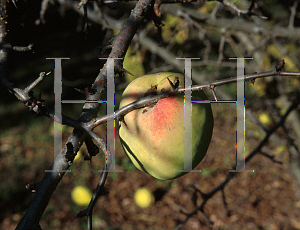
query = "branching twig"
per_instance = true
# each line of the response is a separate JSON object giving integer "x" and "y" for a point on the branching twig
{"x": 227, "y": 3}
{"x": 123, "y": 39}
{"x": 270, "y": 157}
{"x": 153, "y": 99}
{"x": 234, "y": 24}
{"x": 35, "y": 104}
{"x": 239, "y": 11}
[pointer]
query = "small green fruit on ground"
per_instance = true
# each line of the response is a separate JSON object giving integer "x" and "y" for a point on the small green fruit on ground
{"x": 153, "y": 137}
{"x": 143, "y": 197}
{"x": 81, "y": 195}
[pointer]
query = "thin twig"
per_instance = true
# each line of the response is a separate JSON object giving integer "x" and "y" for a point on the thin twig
{"x": 270, "y": 157}
{"x": 153, "y": 99}
{"x": 233, "y": 24}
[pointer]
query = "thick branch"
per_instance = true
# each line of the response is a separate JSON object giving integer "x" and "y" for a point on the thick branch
{"x": 124, "y": 38}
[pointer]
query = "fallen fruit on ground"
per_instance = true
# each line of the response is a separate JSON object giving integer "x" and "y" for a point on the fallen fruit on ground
{"x": 143, "y": 197}
{"x": 153, "y": 137}
{"x": 81, "y": 195}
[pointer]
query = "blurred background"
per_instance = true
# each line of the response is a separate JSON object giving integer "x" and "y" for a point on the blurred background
{"x": 266, "y": 199}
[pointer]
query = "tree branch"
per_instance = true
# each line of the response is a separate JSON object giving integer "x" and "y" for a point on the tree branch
{"x": 123, "y": 39}
{"x": 63, "y": 160}
{"x": 153, "y": 99}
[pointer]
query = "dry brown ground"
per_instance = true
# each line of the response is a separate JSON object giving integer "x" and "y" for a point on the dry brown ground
{"x": 265, "y": 199}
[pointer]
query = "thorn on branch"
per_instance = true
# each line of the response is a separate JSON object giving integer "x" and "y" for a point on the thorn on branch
{"x": 29, "y": 105}
{"x": 80, "y": 91}
{"x": 87, "y": 157}
{"x": 280, "y": 65}
{"x": 212, "y": 89}
{"x": 105, "y": 47}
{"x": 33, "y": 102}
{"x": 41, "y": 109}
{"x": 37, "y": 115}
{"x": 87, "y": 91}
{"x": 14, "y": 2}
{"x": 40, "y": 100}
{"x": 252, "y": 81}
{"x": 270, "y": 157}
{"x": 126, "y": 71}
{"x": 174, "y": 85}
{"x": 82, "y": 214}
{"x": 111, "y": 40}
{"x": 151, "y": 91}
{"x": 122, "y": 119}
{"x": 176, "y": 82}
{"x": 70, "y": 152}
